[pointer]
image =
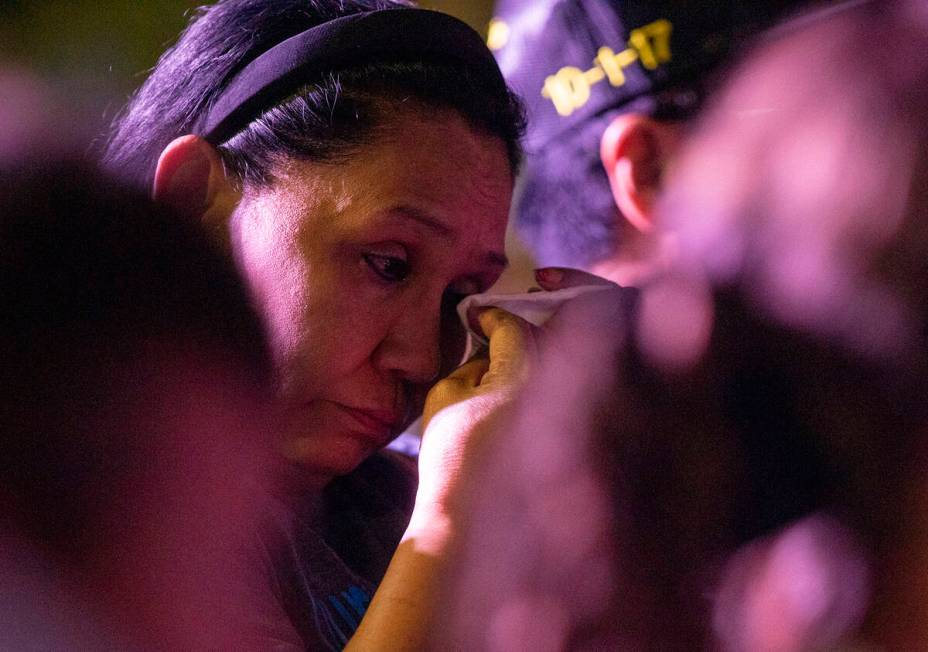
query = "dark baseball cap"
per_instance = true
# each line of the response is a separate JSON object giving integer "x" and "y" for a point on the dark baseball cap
{"x": 573, "y": 60}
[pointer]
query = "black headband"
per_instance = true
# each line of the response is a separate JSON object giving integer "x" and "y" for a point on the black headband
{"x": 393, "y": 35}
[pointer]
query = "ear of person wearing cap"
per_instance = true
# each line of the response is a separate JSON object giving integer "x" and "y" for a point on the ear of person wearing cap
{"x": 609, "y": 86}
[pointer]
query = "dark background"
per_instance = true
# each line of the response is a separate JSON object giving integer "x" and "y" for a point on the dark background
{"x": 93, "y": 53}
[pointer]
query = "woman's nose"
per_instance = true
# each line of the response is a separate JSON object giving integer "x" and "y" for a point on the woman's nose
{"x": 410, "y": 349}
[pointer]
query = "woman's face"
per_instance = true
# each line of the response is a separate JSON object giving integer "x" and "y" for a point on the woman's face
{"x": 350, "y": 263}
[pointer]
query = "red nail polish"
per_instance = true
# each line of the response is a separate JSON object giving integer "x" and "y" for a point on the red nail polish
{"x": 549, "y": 275}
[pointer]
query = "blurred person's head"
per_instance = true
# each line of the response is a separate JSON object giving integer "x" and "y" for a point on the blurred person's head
{"x": 134, "y": 419}
{"x": 358, "y": 160}
{"x": 800, "y": 208}
{"x": 807, "y": 191}
{"x": 609, "y": 86}
{"x": 762, "y": 446}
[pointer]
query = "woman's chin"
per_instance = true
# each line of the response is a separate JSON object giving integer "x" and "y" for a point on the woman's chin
{"x": 324, "y": 457}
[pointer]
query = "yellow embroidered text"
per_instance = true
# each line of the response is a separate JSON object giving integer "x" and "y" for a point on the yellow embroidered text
{"x": 569, "y": 88}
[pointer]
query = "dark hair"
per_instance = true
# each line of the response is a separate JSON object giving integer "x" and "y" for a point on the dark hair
{"x": 325, "y": 120}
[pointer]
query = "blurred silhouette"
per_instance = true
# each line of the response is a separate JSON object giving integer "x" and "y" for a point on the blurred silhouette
{"x": 748, "y": 475}
{"x": 133, "y": 420}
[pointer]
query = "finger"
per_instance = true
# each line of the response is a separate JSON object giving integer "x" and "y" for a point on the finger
{"x": 457, "y": 387}
{"x": 512, "y": 343}
{"x": 470, "y": 373}
{"x": 560, "y": 278}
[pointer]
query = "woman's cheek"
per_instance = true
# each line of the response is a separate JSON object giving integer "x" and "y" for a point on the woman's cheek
{"x": 353, "y": 330}
{"x": 453, "y": 339}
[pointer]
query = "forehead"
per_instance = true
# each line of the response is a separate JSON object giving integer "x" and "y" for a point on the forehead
{"x": 437, "y": 155}
{"x": 433, "y": 164}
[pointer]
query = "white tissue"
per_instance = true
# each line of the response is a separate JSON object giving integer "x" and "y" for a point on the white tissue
{"x": 534, "y": 307}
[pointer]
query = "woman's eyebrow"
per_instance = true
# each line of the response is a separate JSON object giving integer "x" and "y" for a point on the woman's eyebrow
{"x": 420, "y": 216}
{"x": 492, "y": 258}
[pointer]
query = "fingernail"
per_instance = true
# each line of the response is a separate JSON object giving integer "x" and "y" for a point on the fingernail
{"x": 549, "y": 275}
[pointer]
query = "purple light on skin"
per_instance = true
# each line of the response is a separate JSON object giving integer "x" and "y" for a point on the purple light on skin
{"x": 799, "y": 208}
{"x": 537, "y": 623}
{"x": 807, "y": 587}
{"x": 675, "y": 322}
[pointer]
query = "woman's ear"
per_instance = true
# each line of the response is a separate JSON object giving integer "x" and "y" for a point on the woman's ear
{"x": 634, "y": 151}
{"x": 190, "y": 177}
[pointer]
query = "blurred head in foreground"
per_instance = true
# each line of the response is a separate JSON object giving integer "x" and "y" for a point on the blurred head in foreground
{"x": 609, "y": 87}
{"x": 131, "y": 419}
{"x": 753, "y": 477}
{"x": 801, "y": 208}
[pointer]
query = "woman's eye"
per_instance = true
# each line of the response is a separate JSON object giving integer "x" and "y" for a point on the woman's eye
{"x": 389, "y": 268}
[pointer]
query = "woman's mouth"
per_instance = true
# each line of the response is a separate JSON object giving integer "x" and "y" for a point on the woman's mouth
{"x": 380, "y": 423}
